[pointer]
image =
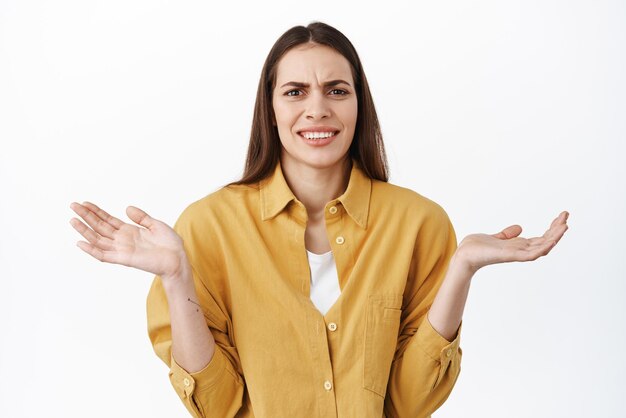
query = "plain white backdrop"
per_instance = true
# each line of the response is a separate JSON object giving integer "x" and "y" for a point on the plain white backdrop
{"x": 503, "y": 112}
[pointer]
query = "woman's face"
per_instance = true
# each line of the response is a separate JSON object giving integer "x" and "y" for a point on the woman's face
{"x": 314, "y": 97}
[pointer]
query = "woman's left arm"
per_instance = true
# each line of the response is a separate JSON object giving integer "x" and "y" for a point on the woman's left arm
{"x": 428, "y": 354}
{"x": 479, "y": 250}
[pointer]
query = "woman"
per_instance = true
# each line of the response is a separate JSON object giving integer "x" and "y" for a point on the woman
{"x": 312, "y": 286}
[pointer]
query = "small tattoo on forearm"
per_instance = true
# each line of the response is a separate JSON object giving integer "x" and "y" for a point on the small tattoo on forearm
{"x": 195, "y": 303}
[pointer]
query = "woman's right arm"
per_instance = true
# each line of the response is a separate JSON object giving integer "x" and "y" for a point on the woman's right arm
{"x": 156, "y": 249}
{"x": 181, "y": 334}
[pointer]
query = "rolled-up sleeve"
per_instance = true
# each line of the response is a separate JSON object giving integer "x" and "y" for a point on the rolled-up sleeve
{"x": 426, "y": 365}
{"x": 207, "y": 392}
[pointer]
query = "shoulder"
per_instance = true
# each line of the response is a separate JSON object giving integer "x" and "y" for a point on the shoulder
{"x": 222, "y": 202}
{"x": 389, "y": 196}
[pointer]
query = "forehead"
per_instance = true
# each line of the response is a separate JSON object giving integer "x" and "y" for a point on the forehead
{"x": 316, "y": 63}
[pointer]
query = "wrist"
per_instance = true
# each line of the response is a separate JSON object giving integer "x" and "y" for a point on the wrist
{"x": 461, "y": 264}
{"x": 180, "y": 278}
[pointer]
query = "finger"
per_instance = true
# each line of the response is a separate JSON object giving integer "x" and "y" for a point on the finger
{"x": 95, "y": 239}
{"x": 556, "y": 232}
{"x": 561, "y": 219}
{"x": 539, "y": 246}
{"x": 102, "y": 214}
{"x": 140, "y": 217}
{"x": 93, "y": 251}
{"x": 550, "y": 237}
{"x": 113, "y": 257}
{"x": 559, "y": 233}
{"x": 533, "y": 253}
{"x": 101, "y": 227}
{"x": 509, "y": 232}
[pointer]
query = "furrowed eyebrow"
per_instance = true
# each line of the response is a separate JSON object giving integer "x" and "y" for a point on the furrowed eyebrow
{"x": 326, "y": 84}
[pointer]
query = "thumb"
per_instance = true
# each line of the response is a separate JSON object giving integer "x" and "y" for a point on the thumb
{"x": 509, "y": 232}
{"x": 139, "y": 217}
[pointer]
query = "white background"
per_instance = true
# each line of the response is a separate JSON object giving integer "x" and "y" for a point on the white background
{"x": 503, "y": 112}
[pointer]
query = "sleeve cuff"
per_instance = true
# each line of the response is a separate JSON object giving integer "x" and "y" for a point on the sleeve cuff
{"x": 186, "y": 383}
{"x": 434, "y": 344}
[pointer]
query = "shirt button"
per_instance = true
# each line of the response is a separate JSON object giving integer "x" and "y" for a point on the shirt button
{"x": 448, "y": 352}
{"x": 339, "y": 240}
{"x": 328, "y": 385}
{"x": 332, "y": 326}
{"x": 332, "y": 209}
{"x": 186, "y": 382}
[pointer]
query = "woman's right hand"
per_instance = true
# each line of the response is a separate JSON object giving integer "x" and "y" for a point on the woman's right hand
{"x": 153, "y": 246}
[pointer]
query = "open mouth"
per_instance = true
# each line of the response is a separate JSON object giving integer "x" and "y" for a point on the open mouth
{"x": 318, "y": 136}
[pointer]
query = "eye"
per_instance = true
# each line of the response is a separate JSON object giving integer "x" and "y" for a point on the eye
{"x": 341, "y": 92}
{"x": 292, "y": 91}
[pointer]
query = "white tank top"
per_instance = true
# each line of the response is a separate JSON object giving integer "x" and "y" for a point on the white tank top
{"x": 324, "y": 280}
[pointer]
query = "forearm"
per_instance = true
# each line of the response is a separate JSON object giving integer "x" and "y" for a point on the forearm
{"x": 193, "y": 344}
{"x": 446, "y": 311}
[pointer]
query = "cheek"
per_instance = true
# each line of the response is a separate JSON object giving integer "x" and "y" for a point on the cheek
{"x": 283, "y": 115}
{"x": 349, "y": 114}
{"x": 284, "y": 123}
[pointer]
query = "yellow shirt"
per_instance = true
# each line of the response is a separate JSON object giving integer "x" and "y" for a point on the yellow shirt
{"x": 374, "y": 353}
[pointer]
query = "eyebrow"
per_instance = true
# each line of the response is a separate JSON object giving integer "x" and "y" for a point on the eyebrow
{"x": 326, "y": 84}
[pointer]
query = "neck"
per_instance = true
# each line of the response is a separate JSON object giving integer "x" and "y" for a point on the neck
{"x": 315, "y": 187}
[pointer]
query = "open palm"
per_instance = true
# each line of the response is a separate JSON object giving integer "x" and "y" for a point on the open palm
{"x": 480, "y": 250}
{"x": 153, "y": 246}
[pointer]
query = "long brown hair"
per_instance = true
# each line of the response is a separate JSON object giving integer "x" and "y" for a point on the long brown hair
{"x": 367, "y": 146}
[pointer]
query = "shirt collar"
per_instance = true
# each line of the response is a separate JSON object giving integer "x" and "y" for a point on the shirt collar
{"x": 276, "y": 194}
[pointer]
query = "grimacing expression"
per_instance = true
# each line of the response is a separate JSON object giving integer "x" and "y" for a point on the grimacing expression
{"x": 314, "y": 98}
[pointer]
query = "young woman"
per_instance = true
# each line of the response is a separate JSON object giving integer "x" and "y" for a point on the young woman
{"x": 311, "y": 287}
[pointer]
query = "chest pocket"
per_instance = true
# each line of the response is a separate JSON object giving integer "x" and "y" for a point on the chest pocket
{"x": 382, "y": 324}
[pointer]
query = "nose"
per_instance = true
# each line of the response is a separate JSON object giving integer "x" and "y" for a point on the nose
{"x": 317, "y": 107}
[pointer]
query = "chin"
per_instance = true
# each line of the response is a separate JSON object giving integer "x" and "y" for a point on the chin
{"x": 317, "y": 160}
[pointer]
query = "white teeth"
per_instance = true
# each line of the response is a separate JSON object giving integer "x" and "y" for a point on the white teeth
{"x": 317, "y": 135}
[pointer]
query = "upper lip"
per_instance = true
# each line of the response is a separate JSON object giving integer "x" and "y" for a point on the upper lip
{"x": 318, "y": 129}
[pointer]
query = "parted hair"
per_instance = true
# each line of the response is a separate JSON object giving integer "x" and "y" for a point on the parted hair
{"x": 367, "y": 146}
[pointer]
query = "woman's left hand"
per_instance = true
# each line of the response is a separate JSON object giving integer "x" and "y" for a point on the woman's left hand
{"x": 480, "y": 250}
